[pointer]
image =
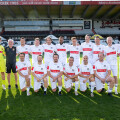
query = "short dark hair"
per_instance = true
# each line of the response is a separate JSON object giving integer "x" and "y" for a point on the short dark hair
{"x": 56, "y": 54}
{"x": 97, "y": 37}
{"x": 88, "y": 35}
{"x": 22, "y": 54}
{"x": 22, "y": 38}
{"x": 40, "y": 55}
{"x": 61, "y": 37}
{"x": 100, "y": 53}
{"x": 71, "y": 57}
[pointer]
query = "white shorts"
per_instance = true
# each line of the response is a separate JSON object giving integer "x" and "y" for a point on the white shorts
{"x": 22, "y": 82}
{"x": 114, "y": 69}
{"x": 53, "y": 84}
{"x": 99, "y": 84}
{"x": 37, "y": 85}
{"x": 83, "y": 86}
{"x": 68, "y": 83}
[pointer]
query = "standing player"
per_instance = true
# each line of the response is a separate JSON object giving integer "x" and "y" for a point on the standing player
{"x": 71, "y": 75}
{"x": 97, "y": 47}
{"x": 24, "y": 69}
{"x": 55, "y": 71}
{"x": 49, "y": 49}
{"x": 111, "y": 57}
{"x": 39, "y": 72}
{"x": 2, "y": 64}
{"x": 61, "y": 50}
{"x": 75, "y": 51}
{"x": 86, "y": 74}
{"x": 11, "y": 62}
{"x": 87, "y": 48}
{"x": 102, "y": 73}
{"x": 23, "y": 49}
{"x": 36, "y": 50}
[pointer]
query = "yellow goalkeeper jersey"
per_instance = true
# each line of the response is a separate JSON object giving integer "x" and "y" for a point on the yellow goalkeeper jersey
{"x": 2, "y": 52}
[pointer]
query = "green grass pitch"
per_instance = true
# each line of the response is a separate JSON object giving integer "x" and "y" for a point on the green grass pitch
{"x": 15, "y": 105}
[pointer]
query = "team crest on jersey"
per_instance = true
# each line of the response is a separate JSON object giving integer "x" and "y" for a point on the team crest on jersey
{"x": 57, "y": 66}
{"x": 89, "y": 45}
{"x": 7, "y": 49}
{"x": 63, "y": 46}
{"x": 99, "y": 48}
{"x": 76, "y": 48}
{"x": 24, "y": 64}
{"x": 73, "y": 70}
{"x": 39, "y": 49}
{"x": 87, "y": 68}
{"x": 104, "y": 65}
{"x": 13, "y": 49}
{"x": 25, "y": 48}
{"x": 51, "y": 47}
{"x": 41, "y": 68}
{"x": 113, "y": 48}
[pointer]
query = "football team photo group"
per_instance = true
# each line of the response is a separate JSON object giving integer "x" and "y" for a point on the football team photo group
{"x": 50, "y": 66}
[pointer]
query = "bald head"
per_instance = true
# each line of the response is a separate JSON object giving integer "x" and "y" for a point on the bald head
{"x": 109, "y": 40}
{"x": 85, "y": 59}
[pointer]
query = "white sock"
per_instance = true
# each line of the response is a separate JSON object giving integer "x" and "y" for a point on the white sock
{"x": 60, "y": 88}
{"x": 108, "y": 86}
{"x": 45, "y": 89}
{"x": 28, "y": 89}
{"x": 110, "y": 90}
{"x": 92, "y": 86}
{"x": 116, "y": 85}
{"x": 103, "y": 85}
{"x": 76, "y": 86}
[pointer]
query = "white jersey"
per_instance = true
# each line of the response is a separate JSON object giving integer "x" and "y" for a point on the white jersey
{"x": 48, "y": 52}
{"x": 24, "y": 49}
{"x": 55, "y": 68}
{"x": 86, "y": 70}
{"x": 87, "y": 49}
{"x": 36, "y": 50}
{"x": 62, "y": 52}
{"x": 23, "y": 67}
{"x": 111, "y": 54}
{"x": 70, "y": 71}
{"x": 39, "y": 70}
{"x": 96, "y": 50}
{"x": 101, "y": 68}
{"x": 75, "y": 53}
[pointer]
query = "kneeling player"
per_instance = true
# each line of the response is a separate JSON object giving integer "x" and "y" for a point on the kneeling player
{"x": 24, "y": 69}
{"x": 55, "y": 71}
{"x": 102, "y": 74}
{"x": 39, "y": 72}
{"x": 86, "y": 74}
{"x": 71, "y": 75}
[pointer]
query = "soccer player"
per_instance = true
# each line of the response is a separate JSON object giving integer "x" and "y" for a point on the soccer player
{"x": 102, "y": 73}
{"x": 71, "y": 75}
{"x": 39, "y": 72}
{"x": 111, "y": 57}
{"x": 49, "y": 50}
{"x": 24, "y": 69}
{"x": 75, "y": 51}
{"x": 2, "y": 64}
{"x": 36, "y": 50}
{"x": 23, "y": 49}
{"x": 55, "y": 71}
{"x": 61, "y": 50}
{"x": 86, "y": 74}
{"x": 87, "y": 48}
{"x": 97, "y": 47}
{"x": 10, "y": 52}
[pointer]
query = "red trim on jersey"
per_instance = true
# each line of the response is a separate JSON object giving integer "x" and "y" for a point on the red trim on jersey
{"x": 37, "y": 72}
{"x": 16, "y": 67}
{"x": 87, "y": 49}
{"x": 74, "y": 52}
{"x": 47, "y": 67}
{"x": 78, "y": 69}
{"x": 101, "y": 70}
{"x": 37, "y": 53}
{"x": 70, "y": 73}
{"x": 26, "y": 52}
{"x": 50, "y": 51}
{"x": 1, "y": 51}
{"x": 55, "y": 71}
{"x": 85, "y": 73}
{"x": 111, "y": 53}
{"x": 61, "y": 49}
{"x": 32, "y": 68}
{"x": 96, "y": 52}
{"x": 24, "y": 68}
{"x": 63, "y": 68}
{"x": 93, "y": 66}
